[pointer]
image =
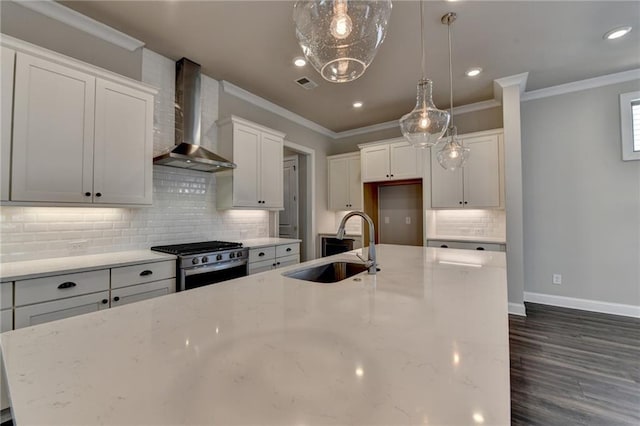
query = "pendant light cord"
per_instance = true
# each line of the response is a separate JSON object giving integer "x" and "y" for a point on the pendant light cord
{"x": 424, "y": 66}
{"x": 450, "y": 76}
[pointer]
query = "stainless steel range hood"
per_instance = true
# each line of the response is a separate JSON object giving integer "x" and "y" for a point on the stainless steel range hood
{"x": 188, "y": 154}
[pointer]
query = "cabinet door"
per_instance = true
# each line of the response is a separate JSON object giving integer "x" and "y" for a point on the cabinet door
{"x": 339, "y": 183}
{"x": 375, "y": 163}
{"x": 271, "y": 171}
{"x": 355, "y": 184}
{"x": 283, "y": 262}
{"x": 482, "y": 172}
{"x": 446, "y": 186}
{"x": 6, "y": 117}
{"x": 123, "y": 145}
{"x": 53, "y": 125}
{"x": 257, "y": 267}
{"x": 40, "y": 313}
{"x": 136, "y": 293}
{"x": 246, "y": 178}
{"x": 406, "y": 161}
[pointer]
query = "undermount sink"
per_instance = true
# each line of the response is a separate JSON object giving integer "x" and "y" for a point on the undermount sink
{"x": 328, "y": 273}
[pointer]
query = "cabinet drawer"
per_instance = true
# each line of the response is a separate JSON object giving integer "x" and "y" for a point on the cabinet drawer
{"x": 287, "y": 250}
{"x": 257, "y": 267}
{"x": 260, "y": 254}
{"x": 467, "y": 245}
{"x": 288, "y": 261}
{"x": 60, "y": 286}
{"x": 59, "y": 309}
{"x": 6, "y": 295}
{"x": 136, "y": 293}
{"x": 6, "y": 320}
{"x": 143, "y": 273}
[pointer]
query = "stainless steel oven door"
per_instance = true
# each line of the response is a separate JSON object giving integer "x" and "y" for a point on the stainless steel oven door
{"x": 200, "y": 276}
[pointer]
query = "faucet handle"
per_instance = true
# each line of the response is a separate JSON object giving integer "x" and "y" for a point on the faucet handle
{"x": 365, "y": 261}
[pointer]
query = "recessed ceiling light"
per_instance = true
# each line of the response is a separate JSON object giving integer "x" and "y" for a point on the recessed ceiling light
{"x": 357, "y": 104}
{"x": 617, "y": 33}
{"x": 299, "y": 61}
{"x": 472, "y": 72}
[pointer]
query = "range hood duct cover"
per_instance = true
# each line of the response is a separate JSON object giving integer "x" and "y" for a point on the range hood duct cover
{"x": 188, "y": 154}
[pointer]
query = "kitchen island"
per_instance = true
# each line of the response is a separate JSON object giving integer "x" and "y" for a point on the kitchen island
{"x": 425, "y": 341}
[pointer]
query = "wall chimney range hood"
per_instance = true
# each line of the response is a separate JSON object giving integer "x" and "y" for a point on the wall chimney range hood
{"x": 188, "y": 154}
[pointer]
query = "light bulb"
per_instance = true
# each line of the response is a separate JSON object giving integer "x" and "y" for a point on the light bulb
{"x": 341, "y": 24}
{"x": 424, "y": 121}
{"x": 454, "y": 154}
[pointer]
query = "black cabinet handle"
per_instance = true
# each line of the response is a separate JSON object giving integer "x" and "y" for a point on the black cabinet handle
{"x": 87, "y": 194}
{"x": 391, "y": 175}
{"x": 115, "y": 299}
{"x": 67, "y": 284}
{"x": 479, "y": 248}
{"x": 105, "y": 301}
{"x": 387, "y": 175}
{"x": 444, "y": 246}
{"x": 288, "y": 248}
{"x": 465, "y": 202}
{"x": 277, "y": 263}
{"x": 261, "y": 254}
{"x": 460, "y": 202}
{"x": 273, "y": 264}
{"x": 145, "y": 273}
{"x": 98, "y": 194}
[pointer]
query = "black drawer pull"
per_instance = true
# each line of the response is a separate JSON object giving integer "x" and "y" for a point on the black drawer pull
{"x": 289, "y": 249}
{"x": 273, "y": 264}
{"x": 68, "y": 284}
{"x": 87, "y": 194}
{"x": 105, "y": 301}
{"x": 115, "y": 299}
{"x": 261, "y": 254}
{"x": 277, "y": 263}
{"x": 444, "y": 246}
{"x": 145, "y": 273}
{"x": 98, "y": 194}
{"x": 479, "y": 248}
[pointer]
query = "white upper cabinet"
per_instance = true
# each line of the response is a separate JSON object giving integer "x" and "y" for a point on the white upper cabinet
{"x": 480, "y": 183}
{"x": 7, "y": 62}
{"x": 345, "y": 184}
{"x": 52, "y": 132}
{"x": 123, "y": 145}
{"x": 257, "y": 181}
{"x": 81, "y": 135}
{"x": 395, "y": 159}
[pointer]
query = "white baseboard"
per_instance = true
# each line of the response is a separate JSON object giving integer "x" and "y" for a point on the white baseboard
{"x": 517, "y": 309}
{"x": 583, "y": 304}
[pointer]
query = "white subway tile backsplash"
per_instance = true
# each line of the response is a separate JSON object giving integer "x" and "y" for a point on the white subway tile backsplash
{"x": 467, "y": 223}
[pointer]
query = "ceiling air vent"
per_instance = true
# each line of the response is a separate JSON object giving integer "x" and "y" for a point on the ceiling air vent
{"x": 307, "y": 83}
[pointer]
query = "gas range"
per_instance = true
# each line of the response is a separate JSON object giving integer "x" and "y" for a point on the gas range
{"x": 207, "y": 262}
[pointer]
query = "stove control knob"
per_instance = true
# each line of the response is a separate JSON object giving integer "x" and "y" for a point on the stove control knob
{"x": 239, "y": 254}
{"x": 205, "y": 259}
{"x": 219, "y": 257}
{"x": 232, "y": 255}
{"x": 195, "y": 261}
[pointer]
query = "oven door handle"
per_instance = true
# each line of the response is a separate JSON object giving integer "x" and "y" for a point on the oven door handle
{"x": 215, "y": 267}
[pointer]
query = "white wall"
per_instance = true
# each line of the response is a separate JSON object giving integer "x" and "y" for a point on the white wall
{"x": 581, "y": 201}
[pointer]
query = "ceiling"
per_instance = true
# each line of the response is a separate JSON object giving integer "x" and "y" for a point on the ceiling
{"x": 252, "y": 44}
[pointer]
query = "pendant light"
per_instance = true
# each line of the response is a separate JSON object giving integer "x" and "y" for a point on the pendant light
{"x": 453, "y": 154}
{"x": 426, "y": 124}
{"x": 340, "y": 38}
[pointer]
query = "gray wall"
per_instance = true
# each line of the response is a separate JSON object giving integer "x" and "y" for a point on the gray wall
{"x": 581, "y": 201}
{"x": 30, "y": 26}
{"x": 475, "y": 121}
{"x": 230, "y": 105}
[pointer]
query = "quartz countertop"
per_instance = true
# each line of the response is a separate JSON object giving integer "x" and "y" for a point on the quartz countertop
{"x": 425, "y": 341}
{"x": 268, "y": 241}
{"x": 470, "y": 238}
{"x": 64, "y": 265}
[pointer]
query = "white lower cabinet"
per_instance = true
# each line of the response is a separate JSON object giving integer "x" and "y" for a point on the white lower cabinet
{"x": 40, "y": 313}
{"x": 6, "y": 324}
{"x": 273, "y": 257}
{"x": 136, "y": 293}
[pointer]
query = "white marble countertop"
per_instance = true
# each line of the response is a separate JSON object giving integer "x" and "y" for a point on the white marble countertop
{"x": 11, "y": 271}
{"x": 425, "y": 341}
{"x": 471, "y": 238}
{"x": 267, "y": 241}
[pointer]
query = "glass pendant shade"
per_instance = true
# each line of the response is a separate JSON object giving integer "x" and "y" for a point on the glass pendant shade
{"x": 424, "y": 126}
{"x": 453, "y": 154}
{"x": 340, "y": 38}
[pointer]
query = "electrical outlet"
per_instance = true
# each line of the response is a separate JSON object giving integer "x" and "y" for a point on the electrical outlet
{"x": 408, "y": 220}
{"x": 386, "y": 220}
{"x": 78, "y": 245}
{"x": 557, "y": 279}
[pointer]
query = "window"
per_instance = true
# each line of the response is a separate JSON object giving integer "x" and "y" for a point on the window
{"x": 630, "y": 122}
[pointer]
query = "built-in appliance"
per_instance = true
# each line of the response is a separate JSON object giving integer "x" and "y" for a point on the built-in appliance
{"x": 207, "y": 262}
{"x": 331, "y": 246}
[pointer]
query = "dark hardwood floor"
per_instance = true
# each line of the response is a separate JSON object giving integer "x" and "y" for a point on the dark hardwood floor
{"x": 571, "y": 367}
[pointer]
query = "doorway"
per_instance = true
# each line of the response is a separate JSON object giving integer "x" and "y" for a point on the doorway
{"x": 288, "y": 220}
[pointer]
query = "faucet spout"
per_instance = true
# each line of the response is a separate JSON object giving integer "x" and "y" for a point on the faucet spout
{"x": 371, "y": 262}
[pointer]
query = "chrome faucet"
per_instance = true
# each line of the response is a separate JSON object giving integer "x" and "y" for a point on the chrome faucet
{"x": 371, "y": 262}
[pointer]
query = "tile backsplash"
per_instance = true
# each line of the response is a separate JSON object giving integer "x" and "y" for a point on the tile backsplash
{"x": 183, "y": 211}
{"x": 467, "y": 223}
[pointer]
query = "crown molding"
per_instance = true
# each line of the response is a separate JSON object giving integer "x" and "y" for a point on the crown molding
{"x": 590, "y": 83}
{"x": 513, "y": 80}
{"x": 368, "y": 129}
{"x": 256, "y": 100}
{"x": 82, "y": 22}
